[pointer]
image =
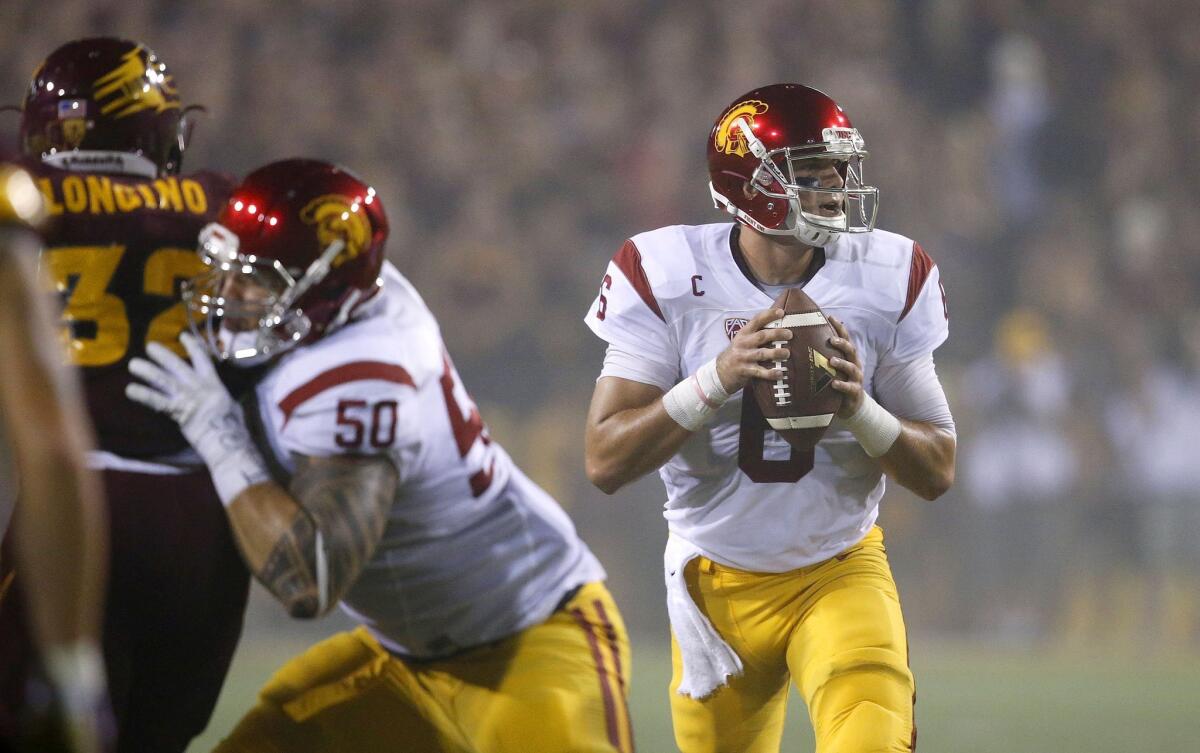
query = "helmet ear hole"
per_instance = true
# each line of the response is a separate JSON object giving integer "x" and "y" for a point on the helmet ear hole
{"x": 748, "y": 189}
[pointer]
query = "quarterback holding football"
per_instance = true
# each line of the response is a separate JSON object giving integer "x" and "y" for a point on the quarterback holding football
{"x": 359, "y": 471}
{"x": 775, "y": 567}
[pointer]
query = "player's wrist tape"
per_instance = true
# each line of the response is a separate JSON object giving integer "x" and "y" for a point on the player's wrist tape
{"x": 693, "y": 402}
{"x": 236, "y": 473}
{"x": 232, "y": 459}
{"x": 874, "y": 428}
{"x": 77, "y": 672}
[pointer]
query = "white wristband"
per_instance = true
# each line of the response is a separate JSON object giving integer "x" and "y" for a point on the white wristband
{"x": 77, "y": 673}
{"x": 874, "y": 428}
{"x": 236, "y": 473}
{"x": 693, "y": 402}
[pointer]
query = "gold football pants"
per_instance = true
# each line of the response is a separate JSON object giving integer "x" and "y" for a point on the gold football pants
{"x": 560, "y": 685}
{"x": 834, "y": 628}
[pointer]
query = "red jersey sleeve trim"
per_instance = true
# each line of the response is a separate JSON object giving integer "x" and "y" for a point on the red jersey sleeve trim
{"x": 922, "y": 265}
{"x": 629, "y": 261}
{"x": 354, "y": 371}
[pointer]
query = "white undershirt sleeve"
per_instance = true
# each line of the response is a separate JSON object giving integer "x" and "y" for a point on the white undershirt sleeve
{"x": 626, "y": 365}
{"x": 912, "y": 390}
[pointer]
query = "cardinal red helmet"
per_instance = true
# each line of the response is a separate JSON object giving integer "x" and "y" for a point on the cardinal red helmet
{"x": 296, "y": 250}
{"x": 104, "y": 95}
{"x": 771, "y": 138}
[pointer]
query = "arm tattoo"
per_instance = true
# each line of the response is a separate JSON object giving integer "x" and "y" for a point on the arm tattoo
{"x": 346, "y": 499}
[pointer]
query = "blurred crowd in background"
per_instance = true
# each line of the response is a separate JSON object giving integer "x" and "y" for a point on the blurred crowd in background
{"x": 1046, "y": 154}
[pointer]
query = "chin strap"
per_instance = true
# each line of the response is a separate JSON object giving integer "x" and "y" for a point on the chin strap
{"x": 809, "y": 234}
{"x": 813, "y": 238}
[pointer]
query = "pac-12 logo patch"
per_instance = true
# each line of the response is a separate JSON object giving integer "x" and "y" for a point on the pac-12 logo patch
{"x": 734, "y": 325}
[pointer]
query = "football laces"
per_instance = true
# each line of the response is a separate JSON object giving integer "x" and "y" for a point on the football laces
{"x": 783, "y": 396}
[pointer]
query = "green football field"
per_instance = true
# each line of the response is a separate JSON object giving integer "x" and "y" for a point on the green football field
{"x": 970, "y": 700}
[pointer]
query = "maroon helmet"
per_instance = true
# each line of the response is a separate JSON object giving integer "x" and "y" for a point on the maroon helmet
{"x": 296, "y": 250}
{"x": 771, "y": 138}
{"x": 104, "y": 95}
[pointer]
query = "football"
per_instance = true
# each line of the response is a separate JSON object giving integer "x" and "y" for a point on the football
{"x": 802, "y": 403}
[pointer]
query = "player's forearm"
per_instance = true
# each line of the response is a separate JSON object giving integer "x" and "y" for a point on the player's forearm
{"x": 61, "y": 547}
{"x": 922, "y": 459}
{"x": 307, "y": 544}
{"x": 62, "y": 541}
{"x": 278, "y": 541}
{"x": 629, "y": 444}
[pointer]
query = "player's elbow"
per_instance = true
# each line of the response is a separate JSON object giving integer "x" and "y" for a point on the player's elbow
{"x": 604, "y": 476}
{"x": 936, "y": 484}
{"x": 939, "y": 476}
{"x": 303, "y": 608}
{"x": 305, "y": 603}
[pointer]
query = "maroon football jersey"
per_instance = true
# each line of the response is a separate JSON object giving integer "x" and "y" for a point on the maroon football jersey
{"x": 118, "y": 248}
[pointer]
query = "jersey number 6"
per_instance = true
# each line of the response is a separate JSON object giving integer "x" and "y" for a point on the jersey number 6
{"x": 751, "y": 437}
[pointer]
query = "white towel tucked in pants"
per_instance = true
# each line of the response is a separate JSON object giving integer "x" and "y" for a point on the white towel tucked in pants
{"x": 708, "y": 661}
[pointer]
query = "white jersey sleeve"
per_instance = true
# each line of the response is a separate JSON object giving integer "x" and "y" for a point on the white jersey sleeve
{"x": 924, "y": 320}
{"x": 912, "y": 390}
{"x": 627, "y": 315}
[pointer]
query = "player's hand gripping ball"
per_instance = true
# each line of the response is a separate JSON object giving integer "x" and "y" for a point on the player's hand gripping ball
{"x": 800, "y": 403}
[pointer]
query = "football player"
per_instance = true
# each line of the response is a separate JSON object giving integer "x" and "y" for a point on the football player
{"x": 104, "y": 133}
{"x": 775, "y": 568}
{"x": 361, "y": 472}
{"x": 45, "y": 433}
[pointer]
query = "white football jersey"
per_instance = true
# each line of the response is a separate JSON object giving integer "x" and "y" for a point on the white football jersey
{"x": 473, "y": 550}
{"x": 674, "y": 297}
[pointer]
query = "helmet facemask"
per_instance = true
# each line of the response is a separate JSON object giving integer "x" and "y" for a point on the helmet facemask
{"x": 242, "y": 308}
{"x": 786, "y": 174}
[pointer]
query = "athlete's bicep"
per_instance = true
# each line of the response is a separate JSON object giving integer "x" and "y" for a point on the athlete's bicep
{"x": 348, "y": 498}
{"x": 308, "y": 543}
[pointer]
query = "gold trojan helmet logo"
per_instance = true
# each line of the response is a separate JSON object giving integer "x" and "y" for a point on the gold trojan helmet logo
{"x": 338, "y": 216}
{"x": 140, "y": 82}
{"x": 729, "y": 140}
